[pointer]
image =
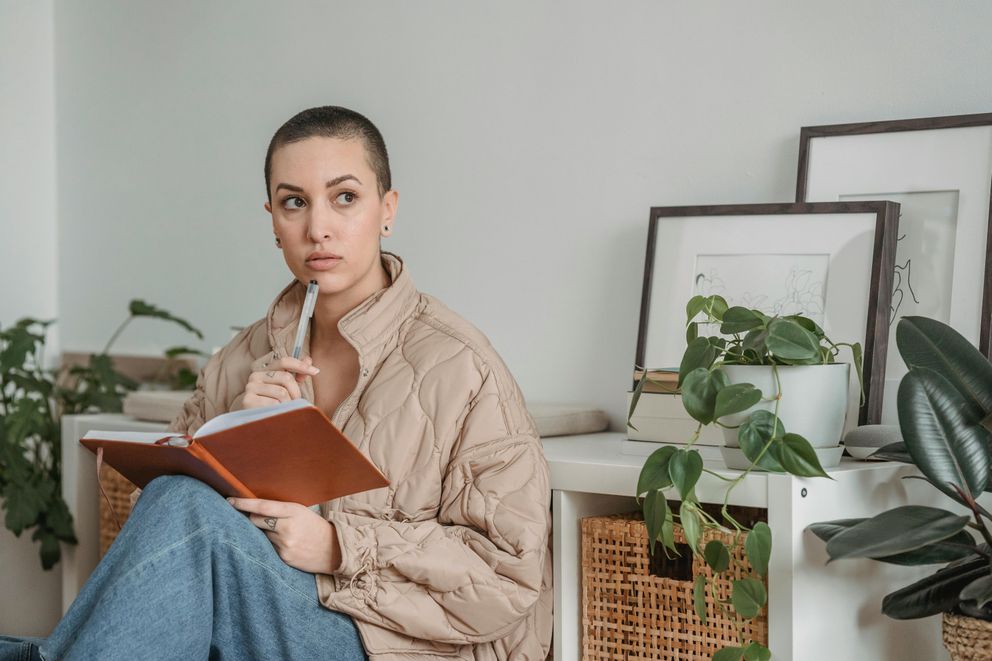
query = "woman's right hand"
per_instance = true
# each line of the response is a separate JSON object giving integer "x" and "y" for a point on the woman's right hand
{"x": 279, "y": 381}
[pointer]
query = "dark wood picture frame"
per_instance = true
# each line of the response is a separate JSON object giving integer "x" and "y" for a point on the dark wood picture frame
{"x": 880, "y": 289}
{"x": 918, "y": 124}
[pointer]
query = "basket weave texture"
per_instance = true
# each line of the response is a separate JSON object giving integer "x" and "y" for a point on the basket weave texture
{"x": 967, "y": 638}
{"x": 629, "y": 612}
{"x": 118, "y": 490}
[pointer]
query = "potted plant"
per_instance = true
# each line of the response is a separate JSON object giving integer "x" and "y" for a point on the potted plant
{"x": 715, "y": 391}
{"x": 33, "y": 399}
{"x": 945, "y": 416}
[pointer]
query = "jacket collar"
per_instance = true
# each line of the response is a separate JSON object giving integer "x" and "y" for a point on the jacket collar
{"x": 367, "y": 327}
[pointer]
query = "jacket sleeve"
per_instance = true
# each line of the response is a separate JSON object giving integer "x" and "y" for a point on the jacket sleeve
{"x": 220, "y": 385}
{"x": 471, "y": 575}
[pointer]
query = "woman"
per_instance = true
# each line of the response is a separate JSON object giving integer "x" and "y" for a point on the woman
{"x": 450, "y": 561}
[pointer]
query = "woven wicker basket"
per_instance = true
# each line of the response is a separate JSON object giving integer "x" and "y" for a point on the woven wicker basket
{"x": 118, "y": 490}
{"x": 638, "y": 607}
{"x": 967, "y": 638}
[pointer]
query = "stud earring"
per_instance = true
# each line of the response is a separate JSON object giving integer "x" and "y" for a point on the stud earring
{"x": 385, "y": 228}
{"x": 278, "y": 242}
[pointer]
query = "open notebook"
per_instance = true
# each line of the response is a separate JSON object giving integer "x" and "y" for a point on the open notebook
{"x": 288, "y": 451}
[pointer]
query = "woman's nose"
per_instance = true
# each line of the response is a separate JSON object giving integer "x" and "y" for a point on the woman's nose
{"x": 320, "y": 223}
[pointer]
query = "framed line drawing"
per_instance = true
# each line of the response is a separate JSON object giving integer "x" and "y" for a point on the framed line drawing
{"x": 833, "y": 262}
{"x": 939, "y": 170}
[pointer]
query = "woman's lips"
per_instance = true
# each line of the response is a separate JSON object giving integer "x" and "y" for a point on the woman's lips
{"x": 324, "y": 263}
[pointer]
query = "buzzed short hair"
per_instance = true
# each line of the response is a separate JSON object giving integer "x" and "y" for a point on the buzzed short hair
{"x": 333, "y": 122}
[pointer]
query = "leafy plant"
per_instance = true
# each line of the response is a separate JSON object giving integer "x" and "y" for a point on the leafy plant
{"x": 33, "y": 400}
{"x": 945, "y": 415}
{"x": 744, "y": 337}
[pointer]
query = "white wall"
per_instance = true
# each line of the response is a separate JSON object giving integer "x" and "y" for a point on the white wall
{"x": 528, "y": 141}
{"x": 28, "y": 260}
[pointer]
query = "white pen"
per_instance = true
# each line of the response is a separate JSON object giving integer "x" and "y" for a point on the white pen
{"x": 308, "y": 304}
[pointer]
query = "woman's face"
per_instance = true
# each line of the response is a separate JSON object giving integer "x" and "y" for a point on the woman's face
{"x": 325, "y": 199}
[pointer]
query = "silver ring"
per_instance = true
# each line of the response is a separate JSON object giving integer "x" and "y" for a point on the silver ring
{"x": 270, "y": 374}
{"x": 271, "y": 522}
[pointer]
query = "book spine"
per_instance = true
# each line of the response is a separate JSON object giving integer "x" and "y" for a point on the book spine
{"x": 201, "y": 453}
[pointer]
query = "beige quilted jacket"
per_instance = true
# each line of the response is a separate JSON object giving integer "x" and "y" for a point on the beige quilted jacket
{"x": 452, "y": 560}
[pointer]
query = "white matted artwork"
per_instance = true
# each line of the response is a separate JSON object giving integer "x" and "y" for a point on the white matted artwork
{"x": 823, "y": 260}
{"x": 776, "y": 284}
{"x": 939, "y": 170}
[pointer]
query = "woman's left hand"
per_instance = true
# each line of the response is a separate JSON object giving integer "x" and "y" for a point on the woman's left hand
{"x": 302, "y": 537}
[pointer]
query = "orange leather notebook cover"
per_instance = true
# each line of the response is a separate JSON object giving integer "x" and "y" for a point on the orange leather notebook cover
{"x": 297, "y": 456}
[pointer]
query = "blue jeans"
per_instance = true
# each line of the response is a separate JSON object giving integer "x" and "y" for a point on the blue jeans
{"x": 190, "y": 577}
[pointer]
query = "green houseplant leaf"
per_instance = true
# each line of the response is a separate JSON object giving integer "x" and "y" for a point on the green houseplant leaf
{"x": 699, "y": 392}
{"x": 654, "y": 473}
{"x": 937, "y": 593}
{"x": 735, "y": 398}
{"x": 685, "y": 467}
{"x": 950, "y": 449}
{"x": 748, "y": 596}
{"x": 699, "y": 597}
{"x": 716, "y": 555}
{"x": 758, "y": 546}
{"x": 140, "y": 308}
{"x": 895, "y": 531}
{"x": 936, "y": 346}
{"x": 797, "y": 456}
{"x": 946, "y": 550}
{"x": 789, "y": 340}
{"x": 760, "y": 428}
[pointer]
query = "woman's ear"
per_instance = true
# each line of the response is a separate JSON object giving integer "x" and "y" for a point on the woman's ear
{"x": 267, "y": 207}
{"x": 389, "y": 202}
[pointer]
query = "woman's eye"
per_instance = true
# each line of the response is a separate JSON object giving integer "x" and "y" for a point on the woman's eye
{"x": 293, "y": 202}
{"x": 346, "y": 197}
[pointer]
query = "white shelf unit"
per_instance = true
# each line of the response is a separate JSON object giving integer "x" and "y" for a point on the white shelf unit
{"x": 815, "y": 612}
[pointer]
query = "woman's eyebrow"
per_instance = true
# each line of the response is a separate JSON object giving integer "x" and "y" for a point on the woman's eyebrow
{"x": 337, "y": 180}
{"x": 333, "y": 182}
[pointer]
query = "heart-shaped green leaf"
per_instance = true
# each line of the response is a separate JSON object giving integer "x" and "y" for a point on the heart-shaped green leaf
{"x": 716, "y": 555}
{"x": 758, "y": 546}
{"x": 748, "y": 597}
{"x": 699, "y": 353}
{"x": 789, "y": 340}
{"x": 699, "y": 392}
{"x": 691, "y": 525}
{"x": 757, "y": 431}
{"x": 735, "y": 399}
{"x": 797, "y": 456}
{"x": 729, "y": 654}
{"x": 699, "y": 597}
{"x": 896, "y": 531}
{"x": 757, "y": 652}
{"x": 655, "y": 513}
{"x": 685, "y": 467}
{"x": 654, "y": 473}
{"x": 739, "y": 320}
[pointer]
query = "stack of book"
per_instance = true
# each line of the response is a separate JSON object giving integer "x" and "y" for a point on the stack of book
{"x": 660, "y": 416}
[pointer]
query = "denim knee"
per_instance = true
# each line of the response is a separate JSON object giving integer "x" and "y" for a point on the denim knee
{"x": 189, "y": 491}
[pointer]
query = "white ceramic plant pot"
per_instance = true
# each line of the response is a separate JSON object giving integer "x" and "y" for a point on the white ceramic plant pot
{"x": 813, "y": 404}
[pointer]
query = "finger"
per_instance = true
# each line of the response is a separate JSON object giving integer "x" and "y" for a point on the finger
{"x": 286, "y": 380}
{"x": 296, "y": 365}
{"x": 276, "y": 392}
{"x": 276, "y": 508}
{"x": 270, "y": 524}
{"x": 252, "y": 400}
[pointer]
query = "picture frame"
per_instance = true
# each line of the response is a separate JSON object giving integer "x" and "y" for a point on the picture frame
{"x": 940, "y": 170}
{"x": 839, "y": 254}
